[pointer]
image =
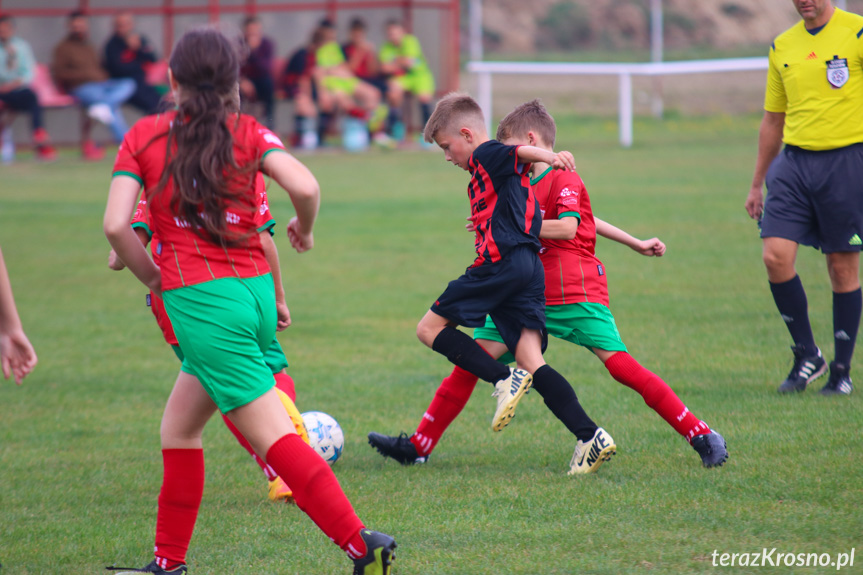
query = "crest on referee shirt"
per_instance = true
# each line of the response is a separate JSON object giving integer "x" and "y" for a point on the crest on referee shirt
{"x": 837, "y": 71}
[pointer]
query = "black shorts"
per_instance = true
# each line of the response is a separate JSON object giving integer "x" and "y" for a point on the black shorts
{"x": 816, "y": 198}
{"x": 511, "y": 291}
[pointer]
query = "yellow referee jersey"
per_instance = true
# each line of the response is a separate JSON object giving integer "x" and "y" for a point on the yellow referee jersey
{"x": 817, "y": 80}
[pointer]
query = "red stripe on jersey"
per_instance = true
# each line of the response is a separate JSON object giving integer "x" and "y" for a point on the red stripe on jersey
{"x": 483, "y": 201}
{"x": 530, "y": 208}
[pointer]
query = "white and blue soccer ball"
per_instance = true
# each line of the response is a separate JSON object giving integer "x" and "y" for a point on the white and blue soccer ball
{"x": 325, "y": 435}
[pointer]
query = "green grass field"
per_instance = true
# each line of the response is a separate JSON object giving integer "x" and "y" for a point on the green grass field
{"x": 80, "y": 466}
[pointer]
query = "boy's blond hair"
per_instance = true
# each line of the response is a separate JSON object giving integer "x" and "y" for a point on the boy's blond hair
{"x": 454, "y": 111}
{"x": 528, "y": 117}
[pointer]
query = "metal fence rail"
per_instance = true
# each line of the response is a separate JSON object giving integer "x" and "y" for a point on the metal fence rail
{"x": 623, "y": 71}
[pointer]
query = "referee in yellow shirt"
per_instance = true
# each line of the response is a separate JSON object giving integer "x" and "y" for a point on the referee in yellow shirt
{"x": 814, "y": 103}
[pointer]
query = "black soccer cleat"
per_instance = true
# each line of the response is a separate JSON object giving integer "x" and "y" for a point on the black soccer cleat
{"x": 805, "y": 370}
{"x": 151, "y": 568}
{"x": 399, "y": 448}
{"x": 380, "y": 554}
{"x": 712, "y": 449}
{"x": 839, "y": 382}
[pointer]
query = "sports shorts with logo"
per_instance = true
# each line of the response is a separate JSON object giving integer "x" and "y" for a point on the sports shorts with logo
{"x": 590, "y": 325}
{"x": 510, "y": 290}
{"x": 816, "y": 198}
{"x": 225, "y": 327}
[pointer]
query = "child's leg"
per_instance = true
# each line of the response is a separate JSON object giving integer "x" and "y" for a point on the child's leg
{"x": 186, "y": 412}
{"x": 268, "y": 471}
{"x": 284, "y": 383}
{"x": 556, "y": 392}
{"x": 656, "y": 393}
{"x": 450, "y": 398}
{"x": 437, "y": 333}
{"x": 316, "y": 490}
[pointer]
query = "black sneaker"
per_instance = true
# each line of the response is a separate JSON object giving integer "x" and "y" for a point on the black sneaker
{"x": 712, "y": 449}
{"x": 399, "y": 448}
{"x": 380, "y": 554}
{"x": 839, "y": 382}
{"x": 151, "y": 568}
{"x": 805, "y": 370}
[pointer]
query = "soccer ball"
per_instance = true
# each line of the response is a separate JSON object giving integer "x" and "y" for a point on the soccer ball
{"x": 325, "y": 435}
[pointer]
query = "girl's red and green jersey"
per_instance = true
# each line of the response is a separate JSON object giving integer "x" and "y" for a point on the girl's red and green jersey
{"x": 220, "y": 299}
{"x": 187, "y": 257}
{"x": 264, "y": 221}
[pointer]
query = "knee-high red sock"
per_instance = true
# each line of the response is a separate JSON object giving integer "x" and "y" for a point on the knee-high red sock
{"x": 179, "y": 500}
{"x": 656, "y": 394}
{"x": 268, "y": 471}
{"x": 317, "y": 492}
{"x": 450, "y": 398}
{"x": 285, "y": 383}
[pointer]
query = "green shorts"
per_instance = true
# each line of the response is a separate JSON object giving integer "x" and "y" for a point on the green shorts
{"x": 225, "y": 328}
{"x": 587, "y": 324}
{"x": 274, "y": 357}
{"x": 341, "y": 85}
{"x": 419, "y": 83}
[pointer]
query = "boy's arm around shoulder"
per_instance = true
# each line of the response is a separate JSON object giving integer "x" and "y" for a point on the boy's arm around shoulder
{"x": 558, "y": 161}
{"x": 651, "y": 247}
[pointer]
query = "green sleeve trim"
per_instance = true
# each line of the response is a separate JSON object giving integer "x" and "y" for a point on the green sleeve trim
{"x": 569, "y": 215}
{"x": 144, "y": 227}
{"x": 536, "y": 180}
{"x": 269, "y": 226}
{"x": 130, "y": 174}
{"x": 273, "y": 150}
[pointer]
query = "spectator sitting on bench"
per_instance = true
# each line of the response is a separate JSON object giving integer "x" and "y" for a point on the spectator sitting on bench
{"x": 77, "y": 71}
{"x": 127, "y": 54}
{"x": 256, "y": 72}
{"x": 359, "y": 99}
{"x": 362, "y": 56}
{"x": 17, "y": 66}
{"x": 299, "y": 84}
{"x": 403, "y": 61}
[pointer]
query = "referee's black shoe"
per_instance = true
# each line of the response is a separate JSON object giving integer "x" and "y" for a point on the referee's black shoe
{"x": 839, "y": 382}
{"x": 399, "y": 448}
{"x": 805, "y": 370}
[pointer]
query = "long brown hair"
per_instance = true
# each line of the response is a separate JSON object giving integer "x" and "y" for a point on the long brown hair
{"x": 199, "y": 157}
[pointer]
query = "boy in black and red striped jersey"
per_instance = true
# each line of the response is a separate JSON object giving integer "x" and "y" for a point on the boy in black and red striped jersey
{"x": 277, "y": 489}
{"x": 506, "y": 280}
{"x": 576, "y": 303}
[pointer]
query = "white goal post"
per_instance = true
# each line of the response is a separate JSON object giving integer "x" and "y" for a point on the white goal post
{"x": 623, "y": 71}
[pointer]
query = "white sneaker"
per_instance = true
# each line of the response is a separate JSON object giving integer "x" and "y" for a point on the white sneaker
{"x": 101, "y": 113}
{"x": 589, "y": 456}
{"x": 508, "y": 392}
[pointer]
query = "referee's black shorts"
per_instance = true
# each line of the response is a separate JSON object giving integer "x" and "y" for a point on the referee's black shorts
{"x": 511, "y": 291}
{"x": 816, "y": 198}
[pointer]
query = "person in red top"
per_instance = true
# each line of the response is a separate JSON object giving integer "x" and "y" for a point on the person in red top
{"x": 277, "y": 489}
{"x": 576, "y": 294}
{"x": 505, "y": 282}
{"x": 198, "y": 166}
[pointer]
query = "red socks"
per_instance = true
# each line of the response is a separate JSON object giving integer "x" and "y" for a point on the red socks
{"x": 656, "y": 394}
{"x": 450, "y": 398}
{"x": 286, "y": 385}
{"x": 179, "y": 500}
{"x": 317, "y": 492}
{"x": 268, "y": 471}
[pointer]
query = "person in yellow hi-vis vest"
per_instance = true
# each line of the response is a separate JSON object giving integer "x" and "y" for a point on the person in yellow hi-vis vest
{"x": 814, "y": 104}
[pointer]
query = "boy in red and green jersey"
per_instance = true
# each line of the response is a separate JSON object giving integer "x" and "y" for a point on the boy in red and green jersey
{"x": 576, "y": 292}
